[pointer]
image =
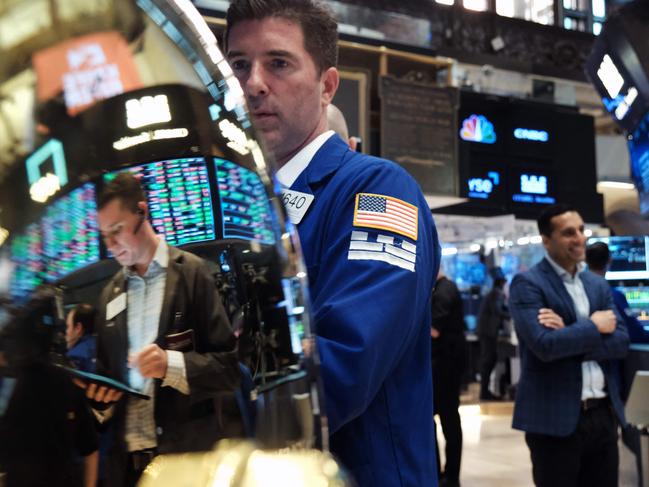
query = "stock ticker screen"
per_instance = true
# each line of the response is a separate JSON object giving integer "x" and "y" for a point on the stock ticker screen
{"x": 245, "y": 209}
{"x": 70, "y": 233}
{"x": 178, "y": 197}
{"x": 26, "y": 257}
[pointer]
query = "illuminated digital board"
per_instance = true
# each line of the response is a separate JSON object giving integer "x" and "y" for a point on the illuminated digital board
{"x": 178, "y": 197}
{"x": 26, "y": 256}
{"x": 245, "y": 209}
{"x": 70, "y": 233}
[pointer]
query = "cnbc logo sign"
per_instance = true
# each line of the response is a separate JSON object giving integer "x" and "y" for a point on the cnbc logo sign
{"x": 477, "y": 128}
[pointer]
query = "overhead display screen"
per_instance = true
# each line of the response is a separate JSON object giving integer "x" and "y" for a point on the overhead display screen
{"x": 70, "y": 233}
{"x": 628, "y": 257}
{"x": 26, "y": 253}
{"x": 178, "y": 197}
{"x": 245, "y": 209}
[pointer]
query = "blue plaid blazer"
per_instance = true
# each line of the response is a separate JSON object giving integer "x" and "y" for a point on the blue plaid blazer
{"x": 548, "y": 397}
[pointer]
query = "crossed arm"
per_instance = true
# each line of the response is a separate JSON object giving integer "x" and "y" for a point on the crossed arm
{"x": 602, "y": 336}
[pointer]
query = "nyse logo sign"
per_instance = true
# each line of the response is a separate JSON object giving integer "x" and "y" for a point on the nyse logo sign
{"x": 147, "y": 111}
{"x": 482, "y": 188}
{"x": 531, "y": 134}
{"x": 42, "y": 187}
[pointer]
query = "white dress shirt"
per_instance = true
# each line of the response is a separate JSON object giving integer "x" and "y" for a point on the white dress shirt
{"x": 593, "y": 380}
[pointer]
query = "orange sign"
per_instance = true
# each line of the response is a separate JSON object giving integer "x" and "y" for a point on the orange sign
{"x": 87, "y": 69}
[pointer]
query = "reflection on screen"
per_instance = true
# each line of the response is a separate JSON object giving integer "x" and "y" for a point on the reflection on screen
{"x": 70, "y": 234}
{"x": 26, "y": 251}
{"x": 244, "y": 203}
{"x": 179, "y": 198}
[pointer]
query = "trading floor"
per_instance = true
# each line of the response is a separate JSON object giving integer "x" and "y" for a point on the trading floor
{"x": 497, "y": 454}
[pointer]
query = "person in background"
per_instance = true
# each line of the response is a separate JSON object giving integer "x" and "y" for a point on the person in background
{"x": 368, "y": 240}
{"x": 79, "y": 337}
{"x": 491, "y": 317}
{"x": 568, "y": 399}
{"x": 336, "y": 122}
{"x": 47, "y": 432}
{"x": 598, "y": 258}
{"x": 161, "y": 329}
{"x": 449, "y": 360}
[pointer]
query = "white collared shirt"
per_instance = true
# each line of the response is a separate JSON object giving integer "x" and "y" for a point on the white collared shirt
{"x": 289, "y": 172}
{"x": 593, "y": 380}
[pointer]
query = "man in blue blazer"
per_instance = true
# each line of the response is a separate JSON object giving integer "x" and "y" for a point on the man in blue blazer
{"x": 368, "y": 241}
{"x": 568, "y": 399}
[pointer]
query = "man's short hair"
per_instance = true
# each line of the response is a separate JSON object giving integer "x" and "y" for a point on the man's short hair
{"x": 124, "y": 187}
{"x": 598, "y": 256}
{"x": 85, "y": 314}
{"x": 544, "y": 221}
{"x": 319, "y": 27}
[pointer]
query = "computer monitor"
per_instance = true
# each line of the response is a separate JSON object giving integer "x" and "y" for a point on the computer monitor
{"x": 628, "y": 257}
{"x": 245, "y": 209}
{"x": 638, "y": 299}
{"x": 26, "y": 251}
{"x": 70, "y": 233}
{"x": 178, "y": 197}
{"x": 638, "y": 144}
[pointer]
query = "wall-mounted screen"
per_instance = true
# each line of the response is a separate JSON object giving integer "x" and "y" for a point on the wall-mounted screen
{"x": 70, "y": 233}
{"x": 245, "y": 209}
{"x": 529, "y": 185}
{"x": 26, "y": 252}
{"x": 178, "y": 197}
{"x": 628, "y": 257}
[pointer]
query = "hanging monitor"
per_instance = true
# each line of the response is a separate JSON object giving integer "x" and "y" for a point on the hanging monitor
{"x": 26, "y": 249}
{"x": 245, "y": 209}
{"x": 70, "y": 233}
{"x": 178, "y": 197}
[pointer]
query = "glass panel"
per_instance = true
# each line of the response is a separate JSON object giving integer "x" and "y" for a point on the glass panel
{"x": 140, "y": 86}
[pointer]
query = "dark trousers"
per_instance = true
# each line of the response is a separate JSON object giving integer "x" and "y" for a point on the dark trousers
{"x": 488, "y": 359}
{"x": 586, "y": 458}
{"x": 447, "y": 377}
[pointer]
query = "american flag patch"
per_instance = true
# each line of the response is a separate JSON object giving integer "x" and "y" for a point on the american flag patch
{"x": 384, "y": 248}
{"x": 386, "y": 213}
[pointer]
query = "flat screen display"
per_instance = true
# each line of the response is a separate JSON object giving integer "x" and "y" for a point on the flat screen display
{"x": 245, "y": 209}
{"x": 638, "y": 299}
{"x": 26, "y": 256}
{"x": 628, "y": 257}
{"x": 465, "y": 269}
{"x": 70, "y": 233}
{"x": 178, "y": 197}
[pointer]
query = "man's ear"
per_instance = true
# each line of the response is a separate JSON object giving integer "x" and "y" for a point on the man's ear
{"x": 330, "y": 80}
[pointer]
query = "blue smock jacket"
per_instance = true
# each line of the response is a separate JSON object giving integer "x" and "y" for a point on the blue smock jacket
{"x": 370, "y": 285}
{"x": 84, "y": 353}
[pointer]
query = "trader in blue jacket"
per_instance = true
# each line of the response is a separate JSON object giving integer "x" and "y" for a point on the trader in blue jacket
{"x": 368, "y": 241}
{"x": 568, "y": 400}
